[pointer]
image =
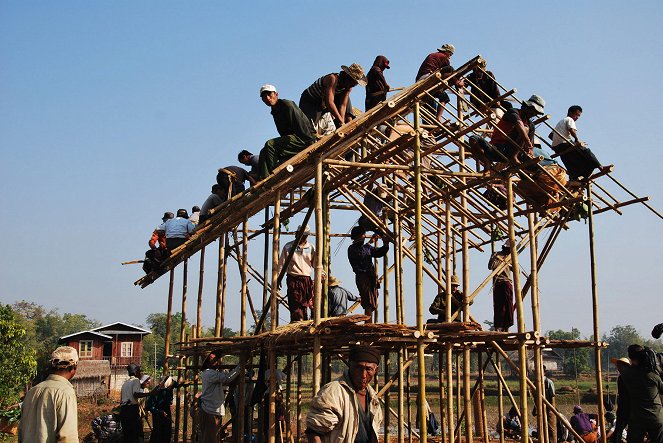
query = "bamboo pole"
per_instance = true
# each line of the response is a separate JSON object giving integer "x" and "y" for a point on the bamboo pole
{"x": 275, "y": 261}
{"x": 550, "y": 406}
{"x": 219, "y": 285}
{"x": 466, "y": 284}
{"x": 500, "y": 394}
{"x": 401, "y": 406}
{"x": 317, "y": 296}
{"x": 265, "y": 262}
{"x": 185, "y": 414}
{"x": 196, "y": 380}
{"x": 595, "y": 316}
{"x": 288, "y": 395}
{"x": 199, "y": 304}
{"x": 387, "y": 361}
{"x": 538, "y": 362}
{"x": 185, "y": 271}
{"x": 299, "y": 396}
{"x": 522, "y": 351}
{"x": 272, "y": 396}
{"x": 419, "y": 280}
{"x": 244, "y": 289}
{"x": 169, "y": 318}
{"x": 398, "y": 261}
{"x": 224, "y": 279}
{"x": 239, "y": 420}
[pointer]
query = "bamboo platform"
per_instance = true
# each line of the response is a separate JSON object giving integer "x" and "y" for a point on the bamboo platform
{"x": 438, "y": 212}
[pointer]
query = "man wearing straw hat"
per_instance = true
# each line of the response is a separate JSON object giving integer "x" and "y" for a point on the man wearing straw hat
{"x": 338, "y": 297}
{"x": 49, "y": 411}
{"x": 622, "y": 402}
{"x": 347, "y": 409}
{"x": 298, "y": 279}
{"x": 438, "y": 306}
{"x": 331, "y": 94}
{"x": 295, "y": 130}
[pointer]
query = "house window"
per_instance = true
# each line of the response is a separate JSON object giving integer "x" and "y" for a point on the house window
{"x": 127, "y": 349}
{"x": 85, "y": 348}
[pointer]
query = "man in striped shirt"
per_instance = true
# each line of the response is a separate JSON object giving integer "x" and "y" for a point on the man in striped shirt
{"x": 331, "y": 94}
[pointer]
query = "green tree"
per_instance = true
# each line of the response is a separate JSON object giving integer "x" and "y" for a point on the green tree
{"x": 44, "y": 328}
{"x": 17, "y": 361}
{"x": 620, "y": 338}
{"x": 576, "y": 360}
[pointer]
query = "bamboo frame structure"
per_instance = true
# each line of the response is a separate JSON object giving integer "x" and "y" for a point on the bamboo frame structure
{"x": 438, "y": 215}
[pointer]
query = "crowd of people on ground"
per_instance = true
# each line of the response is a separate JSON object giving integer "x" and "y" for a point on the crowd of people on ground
{"x": 346, "y": 409}
{"x": 639, "y": 413}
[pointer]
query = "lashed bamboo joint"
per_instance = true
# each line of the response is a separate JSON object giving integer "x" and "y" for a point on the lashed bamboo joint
{"x": 439, "y": 208}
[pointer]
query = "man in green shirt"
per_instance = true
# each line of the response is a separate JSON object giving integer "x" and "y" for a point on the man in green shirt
{"x": 643, "y": 388}
{"x": 49, "y": 412}
{"x": 295, "y": 130}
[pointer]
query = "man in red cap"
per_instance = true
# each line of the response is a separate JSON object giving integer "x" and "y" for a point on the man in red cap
{"x": 348, "y": 409}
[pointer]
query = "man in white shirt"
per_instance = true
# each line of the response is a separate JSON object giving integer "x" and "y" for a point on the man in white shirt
{"x": 576, "y": 156}
{"x": 132, "y": 424}
{"x": 212, "y": 397}
{"x": 298, "y": 280}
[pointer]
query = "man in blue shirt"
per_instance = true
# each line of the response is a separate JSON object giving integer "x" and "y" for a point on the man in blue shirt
{"x": 361, "y": 258}
{"x": 178, "y": 230}
{"x": 337, "y": 298}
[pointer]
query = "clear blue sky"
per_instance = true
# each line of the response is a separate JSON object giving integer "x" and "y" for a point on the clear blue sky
{"x": 112, "y": 112}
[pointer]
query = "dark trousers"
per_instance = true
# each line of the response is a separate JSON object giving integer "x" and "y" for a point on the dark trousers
{"x": 172, "y": 243}
{"x": 300, "y": 296}
{"x": 502, "y": 305}
{"x": 636, "y": 432}
{"x": 579, "y": 162}
{"x": 277, "y": 150}
{"x": 132, "y": 424}
{"x": 162, "y": 427}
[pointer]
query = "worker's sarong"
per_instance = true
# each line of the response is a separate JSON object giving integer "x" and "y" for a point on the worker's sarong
{"x": 367, "y": 285}
{"x": 502, "y": 304}
{"x": 580, "y": 161}
{"x": 278, "y": 150}
{"x": 300, "y": 296}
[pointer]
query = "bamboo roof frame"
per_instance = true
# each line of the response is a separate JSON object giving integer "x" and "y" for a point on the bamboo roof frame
{"x": 436, "y": 199}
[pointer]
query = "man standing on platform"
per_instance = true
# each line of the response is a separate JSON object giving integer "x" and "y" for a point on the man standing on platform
{"x": 298, "y": 280}
{"x": 348, "y": 409}
{"x": 503, "y": 302}
{"x": 49, "y": 411}
{"x": 295, "y": 130}
{"x": 361, "y": 258}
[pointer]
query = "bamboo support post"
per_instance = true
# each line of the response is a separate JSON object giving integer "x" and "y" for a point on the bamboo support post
{"x": 199, "y": 303}
{"x": 317, "y": 295}
{"x": 419, "y": 281}
{"x": 595, "y": 316}
{"x": 243, "y": 279}
{"x": 169, "y": 319}
{"x": 522, "y": 350}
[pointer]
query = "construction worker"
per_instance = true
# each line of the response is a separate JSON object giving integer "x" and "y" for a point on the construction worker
{"x": 331, "y": 94}
{"x": 377, "y": 86}
{"x": 295, "y": 130}
{"x": 434, "y": 62}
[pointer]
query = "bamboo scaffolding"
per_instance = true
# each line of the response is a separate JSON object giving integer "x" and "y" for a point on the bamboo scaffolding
{"x": 437, "y": 199}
